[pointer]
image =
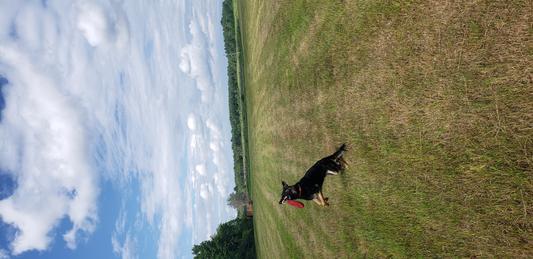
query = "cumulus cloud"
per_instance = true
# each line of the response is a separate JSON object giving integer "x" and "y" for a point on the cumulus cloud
{"x": 191, "y": 122}
{"x": 55, "y": 177}
{"x": 196, "y": 61}
{"x": 93, "y": 23}
{"x": 201, "y": 169}
{"x": 100, "y": 27}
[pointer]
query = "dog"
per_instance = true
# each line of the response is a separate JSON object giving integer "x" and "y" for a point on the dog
{"x": 310, "y": 186}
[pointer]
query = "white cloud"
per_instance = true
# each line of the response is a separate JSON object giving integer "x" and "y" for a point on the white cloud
{"x": 204, "y": 191}
{"x": 4, "y": 254}
{"x": 125, "y": 249}
{"x": 201, "y": 169}
{"x": 215, "y": 146}
{"x": 191, "y": 122}
{"x": 55, "y": 178}
{"x": 215, "y": 131}
{"x": 196, "y": 141}
{"x": 123, "y": 241}
{"x": 196, "y": 61}
{"x": 93, "y": 23}
{"x": 185, "y": 63}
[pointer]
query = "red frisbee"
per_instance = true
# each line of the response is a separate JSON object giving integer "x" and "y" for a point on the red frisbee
{"x": 296, "y": 204}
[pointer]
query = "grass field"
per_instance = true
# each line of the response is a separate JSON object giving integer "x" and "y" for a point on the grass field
{"x": 242, "y": 92}
{"x": 435, "y": 99}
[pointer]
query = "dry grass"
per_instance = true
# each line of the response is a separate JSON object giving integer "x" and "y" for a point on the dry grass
{"x": 436, "y": 101}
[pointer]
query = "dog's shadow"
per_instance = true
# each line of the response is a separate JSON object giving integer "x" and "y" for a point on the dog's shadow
{"x": 344, "y": 178}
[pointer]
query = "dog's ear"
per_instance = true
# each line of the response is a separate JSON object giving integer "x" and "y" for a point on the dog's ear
{"x": 285, "y": 185}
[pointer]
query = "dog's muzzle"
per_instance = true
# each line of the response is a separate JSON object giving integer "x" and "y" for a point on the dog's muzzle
{"x": 283, "y": 199}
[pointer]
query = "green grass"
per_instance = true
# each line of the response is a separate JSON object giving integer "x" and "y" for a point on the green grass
{"x": 435, "y": 99}
{"x": 242, "y": 101}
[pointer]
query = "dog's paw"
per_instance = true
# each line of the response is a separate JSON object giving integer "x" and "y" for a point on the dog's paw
{"x": 343, "y": 163}
{"x": 344, "y": 147}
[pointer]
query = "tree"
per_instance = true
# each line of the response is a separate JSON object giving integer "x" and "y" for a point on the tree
{"x": 237, "y": 200}
{"x": 234, "y": 239}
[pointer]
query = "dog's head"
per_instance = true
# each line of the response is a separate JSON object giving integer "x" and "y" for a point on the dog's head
{"x": 288, "y": 193}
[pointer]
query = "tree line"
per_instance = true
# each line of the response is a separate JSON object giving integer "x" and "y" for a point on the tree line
{"x": 234, "y": 94}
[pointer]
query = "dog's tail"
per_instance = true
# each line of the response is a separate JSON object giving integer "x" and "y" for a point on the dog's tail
{"x": 340, "y": 152}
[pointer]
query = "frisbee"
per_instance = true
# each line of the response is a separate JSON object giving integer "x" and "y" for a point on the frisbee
{"x": 296, "y": 204}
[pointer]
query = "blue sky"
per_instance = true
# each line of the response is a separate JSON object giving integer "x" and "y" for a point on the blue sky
{"x": 114, "y": 128}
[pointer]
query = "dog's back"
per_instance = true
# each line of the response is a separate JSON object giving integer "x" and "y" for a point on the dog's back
{"x": 316, "y": 174}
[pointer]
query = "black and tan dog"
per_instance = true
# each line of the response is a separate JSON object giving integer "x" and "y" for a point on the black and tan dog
{"x": 310, "y": 186}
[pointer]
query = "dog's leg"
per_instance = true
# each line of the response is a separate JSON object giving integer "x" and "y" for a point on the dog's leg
{"x": 339, "y": 157}
{"x": 331, "y": 172}
{"x": 343, "y": 163}
{"x": 317, "y": 201}
{"x": 322, "y": 199}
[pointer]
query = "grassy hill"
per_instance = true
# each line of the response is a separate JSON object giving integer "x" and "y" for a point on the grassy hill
{"x": 435, "y": 100}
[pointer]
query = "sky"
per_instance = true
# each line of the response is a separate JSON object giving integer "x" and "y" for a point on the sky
{"x": 114, "y": 128}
